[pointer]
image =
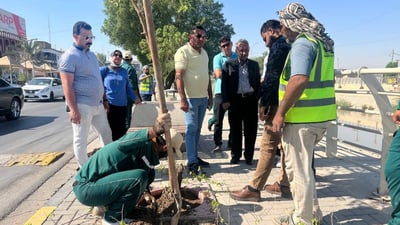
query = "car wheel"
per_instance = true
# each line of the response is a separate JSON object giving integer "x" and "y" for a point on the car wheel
{"x": 51, "y": 99}
{"x": 15, "y": 110}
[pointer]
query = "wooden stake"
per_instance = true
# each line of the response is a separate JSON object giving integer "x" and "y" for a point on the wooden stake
{"x": 151, "y": 37}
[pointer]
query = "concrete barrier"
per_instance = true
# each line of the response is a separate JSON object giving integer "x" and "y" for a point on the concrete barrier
{"x": 144, "y": 115}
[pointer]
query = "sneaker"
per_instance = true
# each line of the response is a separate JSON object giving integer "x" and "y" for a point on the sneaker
{"x": 288, "y": 219}
{"x": 285, "y": 220}
{"x": 202, "y": 162}
{"x": 246, "y": 195}
{"x": 217, "y": 148}
{"x": 99, "y": 210}
{"x": 276, "y": 189}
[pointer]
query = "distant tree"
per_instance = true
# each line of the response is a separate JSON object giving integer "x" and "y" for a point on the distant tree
{"x": 392, "y": 77}
{"x": 173, "y": 20}
{"x": 260, "y": 60}
{"x": 101, "y": 58}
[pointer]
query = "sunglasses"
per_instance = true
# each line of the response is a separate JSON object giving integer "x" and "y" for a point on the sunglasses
{"x": 118, "y": 55}
{"x": 225, "y": 45}
{"x": 200, "y": 36}
{"x": 89, "y": 37}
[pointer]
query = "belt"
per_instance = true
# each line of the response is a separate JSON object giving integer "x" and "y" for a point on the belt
{"x": 245, "y": 95}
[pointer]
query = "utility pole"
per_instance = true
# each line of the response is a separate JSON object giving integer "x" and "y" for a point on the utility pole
{"x": 393, "y": 54}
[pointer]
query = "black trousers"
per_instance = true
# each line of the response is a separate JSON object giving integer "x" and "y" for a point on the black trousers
{"x": 116, "y": 118}
{"x": 243, "y": 116}
{"x": 219, "y": 114}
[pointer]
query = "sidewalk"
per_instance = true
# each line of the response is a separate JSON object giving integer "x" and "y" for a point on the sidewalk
{"x": 345, "y": 185}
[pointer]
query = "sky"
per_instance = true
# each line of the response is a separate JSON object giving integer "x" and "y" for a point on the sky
{"x": 366, "y": 33}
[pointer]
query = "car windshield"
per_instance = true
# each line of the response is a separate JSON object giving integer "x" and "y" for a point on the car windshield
{"x": 40, "y": 82}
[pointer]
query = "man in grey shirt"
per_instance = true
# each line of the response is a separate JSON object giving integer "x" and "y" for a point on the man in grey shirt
{"x": 84, "y": 91}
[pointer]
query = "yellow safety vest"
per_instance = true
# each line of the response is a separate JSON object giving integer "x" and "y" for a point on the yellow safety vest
{"x": 317, "y": 102}
{"x": 144, "y": 85}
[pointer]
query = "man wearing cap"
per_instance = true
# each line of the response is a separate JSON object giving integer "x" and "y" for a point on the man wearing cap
{"x": 84, "y": 91}
{"x": 146, "y": 84}
{"x": 133, "y": 80}
{"x": 307, "y": 106}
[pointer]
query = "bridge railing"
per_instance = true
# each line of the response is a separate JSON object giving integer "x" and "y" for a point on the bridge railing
{"x": 375, "y": 88}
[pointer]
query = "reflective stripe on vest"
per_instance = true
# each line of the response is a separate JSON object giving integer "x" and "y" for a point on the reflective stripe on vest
{"x": 317, "y": 102}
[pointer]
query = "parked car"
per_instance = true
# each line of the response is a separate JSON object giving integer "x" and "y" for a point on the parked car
{"x": 43, "y": 88}
{"x": 11, "y": 100}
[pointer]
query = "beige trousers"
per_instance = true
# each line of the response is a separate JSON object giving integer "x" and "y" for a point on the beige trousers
{"x": 298, "y": 142}
{"x": 270, "y": 141}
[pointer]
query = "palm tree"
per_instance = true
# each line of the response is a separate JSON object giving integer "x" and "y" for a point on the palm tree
{"x": 29, "y": 52}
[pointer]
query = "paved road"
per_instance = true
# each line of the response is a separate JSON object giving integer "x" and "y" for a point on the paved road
{"x": 42, "y": 127}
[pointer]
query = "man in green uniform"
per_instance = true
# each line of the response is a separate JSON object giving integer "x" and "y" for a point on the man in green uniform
{"x": 118, "y": 174}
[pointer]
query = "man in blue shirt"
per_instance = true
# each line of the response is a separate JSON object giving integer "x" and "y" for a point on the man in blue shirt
{"x": 219, "y": 112}
{"x": 84, "y": 91}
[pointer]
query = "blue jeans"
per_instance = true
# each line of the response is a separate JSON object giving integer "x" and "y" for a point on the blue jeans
{"x": 194, "y": 120}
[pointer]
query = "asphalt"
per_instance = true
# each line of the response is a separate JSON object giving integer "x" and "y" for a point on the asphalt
{"x": 346, "y": 187}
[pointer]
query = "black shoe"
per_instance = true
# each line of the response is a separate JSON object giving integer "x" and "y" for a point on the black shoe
{"x": 195, "y": 169}
{"x": 202, "y": 162}
{"x": 249, "y": 162}
{"x": 210, "y": 126}
{"x": 234, "y": 161}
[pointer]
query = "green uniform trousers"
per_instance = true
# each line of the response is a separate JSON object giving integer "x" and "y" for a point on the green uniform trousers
{"x": 392, "y": 174}
{"x": 116, "y": 176}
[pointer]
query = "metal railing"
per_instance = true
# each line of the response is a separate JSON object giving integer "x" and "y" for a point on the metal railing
{"x": 369, "y": 78}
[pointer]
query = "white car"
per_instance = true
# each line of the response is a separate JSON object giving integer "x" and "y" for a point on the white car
{"x": 43, "y": 88}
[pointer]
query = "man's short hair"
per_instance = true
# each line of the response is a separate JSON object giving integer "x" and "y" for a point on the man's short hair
{"x": 198, "y": 27}
{"x": 224, "y": 38}
{"x": 273, "y": 24}
{"x": 79, "y": 25}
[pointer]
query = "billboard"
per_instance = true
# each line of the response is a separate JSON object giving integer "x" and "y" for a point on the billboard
{"x": 12, "y": 24}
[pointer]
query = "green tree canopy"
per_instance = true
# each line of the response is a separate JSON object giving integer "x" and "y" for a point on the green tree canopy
{"x": 172, "y": 19}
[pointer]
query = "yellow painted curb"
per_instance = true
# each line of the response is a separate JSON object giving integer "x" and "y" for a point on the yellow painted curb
{"x": 40, "y": 216}
{"x": 40, "y": 159}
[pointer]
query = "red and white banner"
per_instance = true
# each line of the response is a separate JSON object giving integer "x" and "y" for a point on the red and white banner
{"x": 12, "y": 23}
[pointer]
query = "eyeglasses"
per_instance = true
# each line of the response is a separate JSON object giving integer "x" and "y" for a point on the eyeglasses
{"x": 200, "y": 36}
{"x": 225, "y": 45}
{"x": 118, "y": 55}
{"x": 88, "y": 37}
